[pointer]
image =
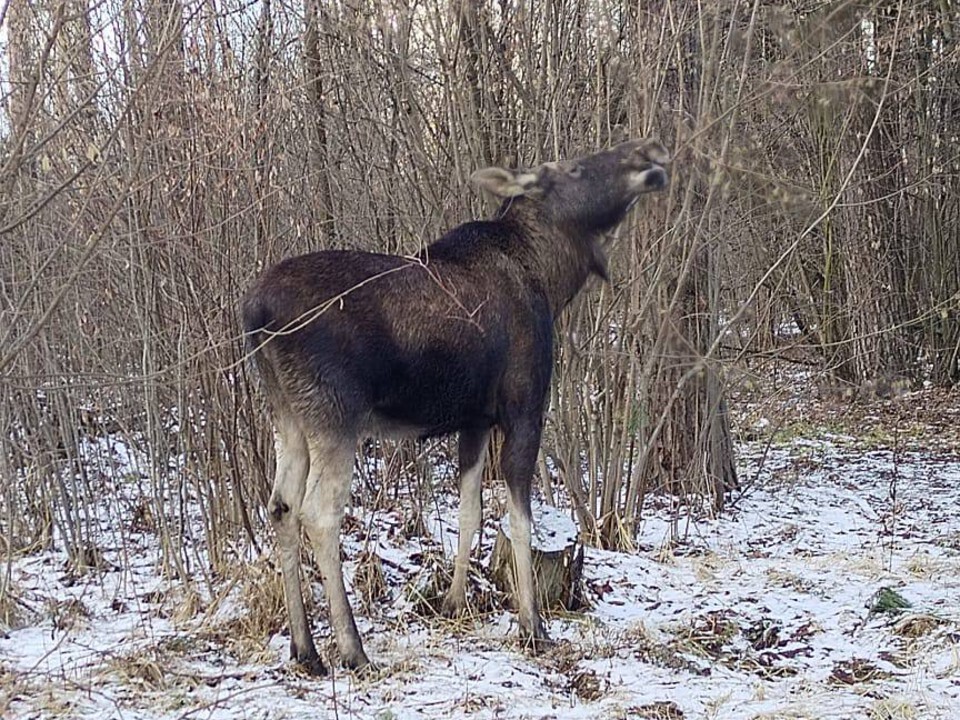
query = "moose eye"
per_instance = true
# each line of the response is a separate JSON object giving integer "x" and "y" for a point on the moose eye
{"x": 575, "y": 171}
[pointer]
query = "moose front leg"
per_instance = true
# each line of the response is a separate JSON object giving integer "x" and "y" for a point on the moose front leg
{"x": 518, "y": 460}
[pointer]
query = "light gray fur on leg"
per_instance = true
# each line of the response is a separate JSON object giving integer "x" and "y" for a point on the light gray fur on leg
{"x": 518, "y": 460}
{"x": 293, "y": 462}
{"x": 520, "y": 537}
{"x": 473, "y": 450}
{"x": 328, "y": 489}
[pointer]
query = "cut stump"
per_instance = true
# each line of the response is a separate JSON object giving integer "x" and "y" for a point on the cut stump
{"x": 557, "y": 560}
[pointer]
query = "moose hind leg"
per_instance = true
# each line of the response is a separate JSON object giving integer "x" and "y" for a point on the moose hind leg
{"x": 328, "y": 489}
{"x": 473, "y": 449}
{"x": 293, "y": 463}
{"x": 518, "y": 460}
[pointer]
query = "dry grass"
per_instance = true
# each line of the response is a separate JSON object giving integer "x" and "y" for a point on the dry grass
{"x": 643, "y": 645}
{"x": 785, "y": 579}
{"x": 917, "y": 625}
{"x": 662, "y": 710}
{"x": 708, "y": 634}
{"x": 369, "y": 583}
{"x": 923, "y": 565}
{"x": 428, "y": 588}
{"x": 184, "y": 603}
{"x": 13, "y": 613}
{"x": 148, "y": 669}
{"x": 894, "y": 709}
{"x": 248, "y": 612}
{"x": 13, "y": 686}
{"x": 159, "y": 675}
{"x": 68, "y": 615}
{"x": 856, "y": 671}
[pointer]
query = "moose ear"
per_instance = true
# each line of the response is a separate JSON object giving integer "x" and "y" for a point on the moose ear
{"x": 505, "y": 183}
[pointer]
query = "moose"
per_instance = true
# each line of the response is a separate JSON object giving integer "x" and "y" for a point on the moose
{"x": 350, "y": 345}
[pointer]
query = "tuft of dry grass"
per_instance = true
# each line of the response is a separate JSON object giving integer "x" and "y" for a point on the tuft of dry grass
{"x": 786, "y": 579}
{"x": 893, "y": 709}
{"x": 563, "y": 659}
{"x": 12, "y": 686}
{"x": 250, "y": 611}
{"x": 88, "y": 558}
{"x": 14, "y": 613}
{"x": 143, "y": 669}
{"x": 187, "y": 604}
{"x": 856, "y": 671}
{"x": 369, "y": 582}
{"x": 160, "y": 673}
{"x": 425, "y": 591}
{"x": 708, "y": 634}
{"x": 587, "y": 685}
{"x": 645, "y": 646}
{"x": 659, "y": 710}
{"x": 69, "y": 614}
{"x": 916, "y": 625}
{"x": 428, "y": 588}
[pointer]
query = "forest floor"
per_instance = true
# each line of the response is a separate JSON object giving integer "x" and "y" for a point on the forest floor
{"x": 828, "y": 588}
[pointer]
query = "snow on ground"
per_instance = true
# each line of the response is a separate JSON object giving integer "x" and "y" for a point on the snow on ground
{"x": 775, "y": 609}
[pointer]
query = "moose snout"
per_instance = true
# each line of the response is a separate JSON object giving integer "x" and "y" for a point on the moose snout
{"x": 646, "y": 160}
{"x": 655, "y": 178}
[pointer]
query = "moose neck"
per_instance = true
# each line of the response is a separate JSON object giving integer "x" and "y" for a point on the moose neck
{"x": 559, "y": 258}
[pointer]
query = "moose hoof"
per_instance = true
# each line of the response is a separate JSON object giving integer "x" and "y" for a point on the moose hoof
{"x": 309, "y": 660}
{"x": 454, "y": 605}
{"x": 370, "y": 669}
{"x": 536, "y": 639}
{"x": 357, "y": 660}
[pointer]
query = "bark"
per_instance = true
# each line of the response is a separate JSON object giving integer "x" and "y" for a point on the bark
{"x": 319, "y": 152}
{"x": 557, "y": 561}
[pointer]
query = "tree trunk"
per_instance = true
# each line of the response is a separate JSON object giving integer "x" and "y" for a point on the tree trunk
{"x": 319, "y": 153}
{"x": 557, "y": 560}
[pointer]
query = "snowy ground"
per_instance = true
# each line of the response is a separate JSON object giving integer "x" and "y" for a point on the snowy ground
{"x": 769, "y": 611}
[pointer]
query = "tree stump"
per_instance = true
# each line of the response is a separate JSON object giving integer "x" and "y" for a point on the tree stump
{"x": 557, "y": 560}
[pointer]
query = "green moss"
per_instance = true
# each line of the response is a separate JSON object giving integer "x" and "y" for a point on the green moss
{"x": 888, "y": 601}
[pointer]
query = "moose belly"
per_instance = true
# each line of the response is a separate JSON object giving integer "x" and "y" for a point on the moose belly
{"x": 432, "y": 399}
